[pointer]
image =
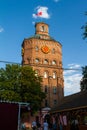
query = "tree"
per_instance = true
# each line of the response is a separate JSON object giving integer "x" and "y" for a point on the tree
{"x": 83, "y": 82}
{"x": 19, "y": 83}
{"x": 85, "y": 29}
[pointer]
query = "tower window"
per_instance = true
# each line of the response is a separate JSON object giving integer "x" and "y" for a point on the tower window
{"x": 45, "y": 74}
{"x": 36, "y": 48}
{"x": 54, "y": 90}
{"x": 36, "y": 72}
{"x": 42, "y": 28}
{"x": 46, "y": 88}
{"x": 54, "y": 75}
{"x": 55, "y": 102}
{"x": 45, "y": 61}
{"x": 37, "y": 60}
{"x": 53, "y": 62}
{"x": 53, "y": 50}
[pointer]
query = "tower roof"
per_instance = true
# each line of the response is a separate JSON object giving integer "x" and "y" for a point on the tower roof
{"x": 41, "y": 23}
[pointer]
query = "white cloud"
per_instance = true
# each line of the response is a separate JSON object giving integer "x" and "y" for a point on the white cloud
{"x": 41, "y": 12}
{"x": 72, "y": 79}
{"x": 1, "y": 29}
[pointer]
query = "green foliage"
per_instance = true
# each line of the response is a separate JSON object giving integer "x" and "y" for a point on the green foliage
{"x": 84, "y": 27}
{"x": 83, "y": 82}
{"x": 19, "y": 83}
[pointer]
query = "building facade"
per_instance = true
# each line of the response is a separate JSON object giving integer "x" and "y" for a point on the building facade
{"x": 44, "y": 55}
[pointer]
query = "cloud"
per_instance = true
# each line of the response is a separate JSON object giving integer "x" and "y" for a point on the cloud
{"x": 41, "y": 12}
{"x": 72, "y": 79}
{"x": 72, "y": 68}
{"x": 1, "y": 29}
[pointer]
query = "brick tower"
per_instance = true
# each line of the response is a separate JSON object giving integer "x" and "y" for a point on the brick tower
{"x": 44, "y": 54}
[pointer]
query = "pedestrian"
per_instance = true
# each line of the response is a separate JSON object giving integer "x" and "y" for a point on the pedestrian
{"x": 60, "y": 126}
{"x": 23, "y": 127}
{"x": 38, "y": 125}
{"x": 60, "y": 122}
{"x": 45, "y": 125}
{"x": 34, "y": 125}
{"x": 74, "y": 124}
{"x": 54, "y": 126}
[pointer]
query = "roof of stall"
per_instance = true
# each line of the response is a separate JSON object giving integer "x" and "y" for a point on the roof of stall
{"x": 72, "y": 102}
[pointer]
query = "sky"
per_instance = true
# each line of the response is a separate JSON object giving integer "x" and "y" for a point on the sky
{"x": 65, "y": 19}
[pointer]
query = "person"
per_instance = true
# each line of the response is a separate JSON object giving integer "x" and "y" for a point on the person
{"x": 85, "y": 119}
{"x": 60, "y": 122}
{"x": 38, "y": 122}
{"x": 45, "y": 125}
{"x": 38, "y": 125}
{"x": 64, "y": 121}
{"x": 54, "y": 126}
{"x": 74, "y": 124}
{"x": 60, "y": 126}
{"x": 34, "y": 125}
{"x": 23, "y": 127}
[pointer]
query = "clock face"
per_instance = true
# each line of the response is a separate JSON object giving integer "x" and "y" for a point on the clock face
{"x": 45, "y": 49}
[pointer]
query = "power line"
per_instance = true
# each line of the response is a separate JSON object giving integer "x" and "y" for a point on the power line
{"x": 72, "y": 68}
{"x": 9, "y": 62}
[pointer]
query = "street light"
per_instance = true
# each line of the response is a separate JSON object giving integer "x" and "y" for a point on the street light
{"x": 21, "y": 104}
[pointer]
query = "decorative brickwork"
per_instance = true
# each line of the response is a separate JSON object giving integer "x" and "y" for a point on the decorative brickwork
{"x": 44, "y": 54}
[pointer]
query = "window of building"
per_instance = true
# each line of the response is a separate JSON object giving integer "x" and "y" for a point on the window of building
{"x": 54, "y": 90}
{"x": 45, "y": 61}
{"x": 36, "y": 60}
{"x": 45, "y": 74}
{"x": 53, "y": 62}
{"x": 55, "y": 102}
{"x": 42, "y": 28}
{"x": 46, "y": 88}
{"x": 36, "y": 72}
{"x": 53, "y": 51}
{"x": 54, "y": 75}
{"x": 36, "y": 48}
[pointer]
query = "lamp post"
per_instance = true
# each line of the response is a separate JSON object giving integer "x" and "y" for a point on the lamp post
{"x": 19, "y": 111}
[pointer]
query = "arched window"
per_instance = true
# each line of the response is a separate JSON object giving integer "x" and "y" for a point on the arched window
{"x": 46, "y": 88}
{"x": 36, "y": 72}
{"x": 54, "y": 75}
{"x": 45, "y": 61}
{"x": 36, "y": 60}
{"x": 54, "y": 90}
{"x": 36, "y": 48}
{"x": 45, "y": 74}
{"x": 53, "y": 62}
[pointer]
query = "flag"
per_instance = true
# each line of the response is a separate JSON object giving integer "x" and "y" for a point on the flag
{"x": 39, "y": 14}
